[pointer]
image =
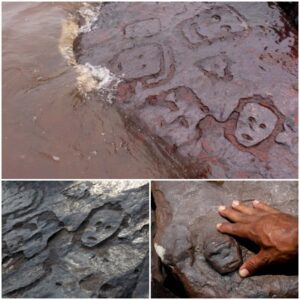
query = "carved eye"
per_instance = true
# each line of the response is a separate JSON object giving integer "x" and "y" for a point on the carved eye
{"x": 252, "y": 119}
{"x": 216, "y": 18}
{"x": 263, "y": 126}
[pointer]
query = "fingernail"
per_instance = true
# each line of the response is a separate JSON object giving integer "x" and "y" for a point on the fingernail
{"x": 219, "y": 225}
{"x": 235, "y": 203}
{"x": 244, "y": 272}
{"x": 255, "y": 202}
{"x": 221, "y": 208}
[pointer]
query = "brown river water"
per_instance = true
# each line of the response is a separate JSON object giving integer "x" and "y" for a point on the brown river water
{"x": 49, "y": 131}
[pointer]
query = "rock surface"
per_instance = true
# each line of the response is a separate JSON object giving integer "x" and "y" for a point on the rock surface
{"x": 212, "y": 85}
{"x": 75, "y": 239}
{"x": 223, "y": 253}
{"x": 188, "y": 248}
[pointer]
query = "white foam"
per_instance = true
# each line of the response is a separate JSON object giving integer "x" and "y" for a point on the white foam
{"x": 96, "y": 78}
{"x": 90, "y": 78}
{"x": 89, "y": 13}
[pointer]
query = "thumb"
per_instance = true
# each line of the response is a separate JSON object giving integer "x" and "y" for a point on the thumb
{"x": 254, "y": 263}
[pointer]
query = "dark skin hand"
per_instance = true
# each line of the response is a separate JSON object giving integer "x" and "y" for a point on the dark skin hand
{"x": 275, "y": 232}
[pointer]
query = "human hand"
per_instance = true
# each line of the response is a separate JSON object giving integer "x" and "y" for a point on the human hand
{"x": 275, "y": 232}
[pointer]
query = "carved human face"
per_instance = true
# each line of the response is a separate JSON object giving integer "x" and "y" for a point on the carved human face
{"x": 255, "y": 124}
{"x": 139, "y": 62}
{"x": 219, "y": 22}
{"x": 223, "y": 253}
{"x": 101, "y": 226}
{"x": 210, "y": 25}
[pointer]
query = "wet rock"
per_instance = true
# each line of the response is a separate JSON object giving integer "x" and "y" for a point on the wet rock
{"x": 81, "y": 240}
{"x": 185, "y": 64}
{"x": 164, "y": 114}
{"x": 194, "y": 255}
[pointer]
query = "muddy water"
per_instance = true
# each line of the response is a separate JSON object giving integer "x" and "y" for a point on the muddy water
{"x": 49, "y": 130}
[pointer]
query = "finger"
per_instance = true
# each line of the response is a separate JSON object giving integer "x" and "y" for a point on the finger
{"x": 264, "y": 207}
{"x": 232, "y": 215}
{"x": 241, "y": 207}
{"x": 237, "y": 229}
{"x": 254, "y": 263}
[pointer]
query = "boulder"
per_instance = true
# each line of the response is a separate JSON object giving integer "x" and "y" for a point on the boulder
{"x": 212, "y": 86}
{"x": 204, "y": 263}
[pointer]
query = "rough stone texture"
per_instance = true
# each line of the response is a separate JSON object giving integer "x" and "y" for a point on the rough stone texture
{"x": 212, "y": 85}
{"x": 222, "y": 253}
{"x": 75, "y": 239}
{"x": 188, "y": 248}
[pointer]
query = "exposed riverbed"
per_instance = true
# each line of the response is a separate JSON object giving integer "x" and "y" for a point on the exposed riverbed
{"x": 149, "y": 90}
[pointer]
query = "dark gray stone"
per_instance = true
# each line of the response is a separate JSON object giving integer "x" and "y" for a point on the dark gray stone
{"x": 210, "y": 86}
{"x": 79, "y": 240}
{"x": 203, "y": 261}
{"x": 102, "y": 225}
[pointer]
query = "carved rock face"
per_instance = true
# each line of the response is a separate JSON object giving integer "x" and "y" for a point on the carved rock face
{"x": 205, "y": 261}
{"x": 174, "y": 115}
{"x": 255, "y": 124}
{"x": 139, "y": 61}
{"x": 102, "y": 225}
{"x": 173, "y": 56}
{"x": 71, "y": 241}
{"x": 33, "y": 236}
{"x": 213, "y": 24}
{"x": 223, "y": 253}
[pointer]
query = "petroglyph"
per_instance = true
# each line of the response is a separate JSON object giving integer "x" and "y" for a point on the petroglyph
{"x": 200, "y": 261}
{"x": 82, "y": 241}
{"x": 214, "y": 54}
{"x": 255, "y": 123}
